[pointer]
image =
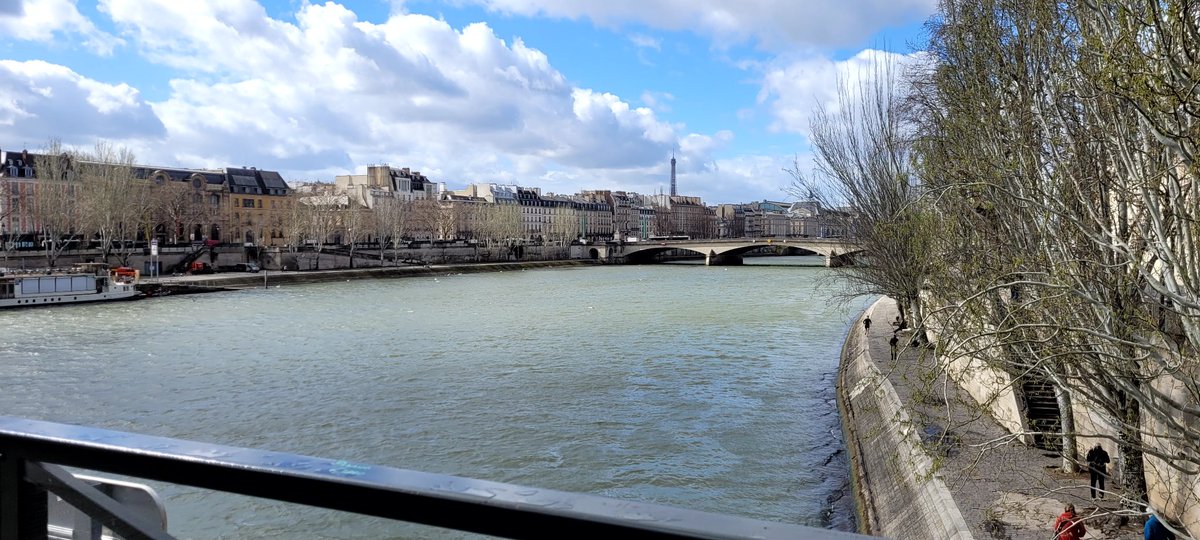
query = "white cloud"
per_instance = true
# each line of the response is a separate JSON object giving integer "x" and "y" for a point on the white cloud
{"x": 794, "y": 89}
{"x": 643, "y": 41}
{"x": 49, "y": 20}
{"x": 658, "y": 100}
{"x": 773, "y": 24}
{"x": 731, "y": 179}
{"x": 330, "y": 93}
{"x": 45, "y": 100}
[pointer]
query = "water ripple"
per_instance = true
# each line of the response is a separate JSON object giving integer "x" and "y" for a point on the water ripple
{"x": 700, "y": 387}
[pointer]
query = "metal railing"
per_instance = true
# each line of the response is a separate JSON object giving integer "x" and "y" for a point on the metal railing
{"x": 32, "y": 454}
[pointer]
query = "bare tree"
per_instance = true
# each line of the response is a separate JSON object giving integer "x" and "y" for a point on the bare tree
{"x": 8, "y": 207}
{"x": 112, "y": 199}
{"x": 1059, "y": 148}
{"x": 293, "y": 221}
{"x": 563, "y": 227}
{"x": 440, "y": 219}
{"x": 55, "y": 209}
{"x": 320, "y": 215}
{"x": 354, "y": 222}
{"x": 178, "y": 207}
{"x": 509, "y": 228}
{"x": 381, "y": 226}
{"x": 499, "y": 224}
{"x": 863, "y": 160}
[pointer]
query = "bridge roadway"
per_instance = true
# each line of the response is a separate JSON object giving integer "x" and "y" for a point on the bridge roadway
{"x": 729, "y": 251}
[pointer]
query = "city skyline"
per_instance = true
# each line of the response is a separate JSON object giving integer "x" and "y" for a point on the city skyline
{"x": 561, "y": 97}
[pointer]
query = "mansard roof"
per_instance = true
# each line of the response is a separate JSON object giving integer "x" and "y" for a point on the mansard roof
{"x": 23, "y": 165}
{"x": 256, "y": 181}
{"x": 273, "y": 180}
{"x": 19, "y": 164}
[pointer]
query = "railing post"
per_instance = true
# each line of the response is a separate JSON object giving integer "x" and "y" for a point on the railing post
{"x": 23, "y": 512}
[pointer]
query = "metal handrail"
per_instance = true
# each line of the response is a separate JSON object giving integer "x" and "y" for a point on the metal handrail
{"x": 453, "y": 502}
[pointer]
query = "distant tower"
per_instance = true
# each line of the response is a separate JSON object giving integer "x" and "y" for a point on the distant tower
{"x": 673, "y": 174}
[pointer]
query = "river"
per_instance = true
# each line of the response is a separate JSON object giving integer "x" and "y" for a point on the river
{"x": 709, "y": 388}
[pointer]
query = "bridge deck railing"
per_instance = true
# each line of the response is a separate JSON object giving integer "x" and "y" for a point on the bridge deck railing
{"x": 32, "y": 454}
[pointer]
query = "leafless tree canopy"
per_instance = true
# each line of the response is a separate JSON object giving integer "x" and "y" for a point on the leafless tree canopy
{"x": 1044, "y": 178}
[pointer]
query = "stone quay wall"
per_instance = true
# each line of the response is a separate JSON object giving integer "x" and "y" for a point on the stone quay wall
{"x": 897, "y": 492}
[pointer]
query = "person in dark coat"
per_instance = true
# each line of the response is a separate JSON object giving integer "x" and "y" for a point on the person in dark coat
{"x": 894, "y": 342}
{"x": 867, "y": 323}
{"x": 1097, "y": 460}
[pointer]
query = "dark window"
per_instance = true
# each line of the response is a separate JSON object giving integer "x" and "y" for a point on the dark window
{"x": 247, "y": 203}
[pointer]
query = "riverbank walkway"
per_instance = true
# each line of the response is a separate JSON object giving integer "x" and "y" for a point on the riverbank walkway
{"x": 1004, "y": 489}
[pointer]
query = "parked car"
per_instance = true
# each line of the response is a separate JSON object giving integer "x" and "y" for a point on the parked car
{"x": 239, "y": 267}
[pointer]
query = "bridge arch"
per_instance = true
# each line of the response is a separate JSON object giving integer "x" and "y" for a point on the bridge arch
{"x": 730, "y": 251}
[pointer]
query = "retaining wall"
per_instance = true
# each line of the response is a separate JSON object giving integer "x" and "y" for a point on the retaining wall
{"x": 898, "y": 493}
{"x": 275, "y": 277}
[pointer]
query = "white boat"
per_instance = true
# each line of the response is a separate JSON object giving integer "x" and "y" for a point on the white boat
{"x": 91, "y": 283}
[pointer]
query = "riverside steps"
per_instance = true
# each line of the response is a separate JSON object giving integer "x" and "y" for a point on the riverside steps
{"x": 927, "y": 462}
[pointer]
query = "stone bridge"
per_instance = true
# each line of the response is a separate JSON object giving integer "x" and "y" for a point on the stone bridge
{"x": 728, "y": 251}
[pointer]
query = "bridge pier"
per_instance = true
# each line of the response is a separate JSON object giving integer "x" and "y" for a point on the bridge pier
{"x": 724, "y": 259}
{"x": 837, "y": 261}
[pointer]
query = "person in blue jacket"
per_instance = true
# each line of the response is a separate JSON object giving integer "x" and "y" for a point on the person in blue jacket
{"x": 1155, "y": 530}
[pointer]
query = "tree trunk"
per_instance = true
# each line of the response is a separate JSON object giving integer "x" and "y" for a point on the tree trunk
{"x": 1129, "y": 442}
{"x": 1067, "y": 421}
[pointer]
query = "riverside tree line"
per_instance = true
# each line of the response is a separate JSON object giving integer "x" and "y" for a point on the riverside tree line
{"x": 100, "y": 199}
{"x": 1027, "y": 189}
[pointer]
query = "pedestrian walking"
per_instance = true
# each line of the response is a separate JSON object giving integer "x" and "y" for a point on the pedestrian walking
{"x": 894, "y": 343}
{"x": 1097, "y": 460}
{"x": 867, "y": 323}
{"x": 1068, "y": 526}
{"x": 1155, "y": 530}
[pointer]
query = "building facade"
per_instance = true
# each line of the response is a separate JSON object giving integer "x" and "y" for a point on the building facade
{"x": 239, "y": 205}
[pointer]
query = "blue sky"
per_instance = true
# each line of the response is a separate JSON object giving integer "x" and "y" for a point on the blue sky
{"x": 561, "y": 95}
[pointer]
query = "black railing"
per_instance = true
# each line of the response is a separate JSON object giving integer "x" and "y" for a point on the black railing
{"x": 32, "y": 453}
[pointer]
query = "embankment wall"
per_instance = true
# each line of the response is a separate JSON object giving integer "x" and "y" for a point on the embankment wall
{"x": 898, "y": 493}
{"x": 269, "y": 277}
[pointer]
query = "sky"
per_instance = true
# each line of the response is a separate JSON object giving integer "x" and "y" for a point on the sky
{"x": 564, "y": 95}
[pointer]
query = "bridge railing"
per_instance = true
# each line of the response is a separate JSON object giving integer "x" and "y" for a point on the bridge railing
{"x": 32, "y": 454}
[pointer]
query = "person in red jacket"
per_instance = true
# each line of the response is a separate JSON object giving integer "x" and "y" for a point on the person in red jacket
{"x": 1068, "y": 526}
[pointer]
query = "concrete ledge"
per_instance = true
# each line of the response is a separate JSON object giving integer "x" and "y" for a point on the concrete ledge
{"x": 241, "y": 280}
{"x": 898, "y": 491}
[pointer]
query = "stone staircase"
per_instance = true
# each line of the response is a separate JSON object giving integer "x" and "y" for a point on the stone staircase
{"x": 1041, "y": 410}
{"x": 183, "y": 264}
